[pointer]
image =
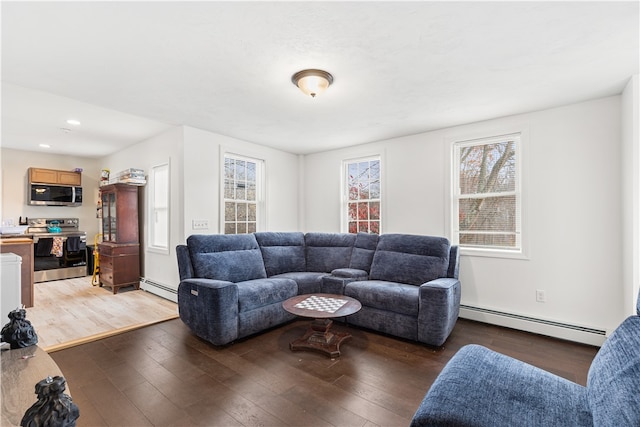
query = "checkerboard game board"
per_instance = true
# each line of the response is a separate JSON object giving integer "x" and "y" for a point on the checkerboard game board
{"x": 317, "y": 303}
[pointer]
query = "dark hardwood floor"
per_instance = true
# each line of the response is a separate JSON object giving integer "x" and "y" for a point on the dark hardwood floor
{"x": 165, "y": 376}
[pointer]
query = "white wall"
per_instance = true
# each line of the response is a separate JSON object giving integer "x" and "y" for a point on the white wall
{"x": 573, "y": 199}
{"x": 631, "y": 193}
{"x": 202, "y": 159}
{"x": 165, "y": 147}
{"x": 15, "y": 178}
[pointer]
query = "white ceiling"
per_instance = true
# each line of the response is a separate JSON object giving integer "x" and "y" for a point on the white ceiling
{"x": 128, "y": 70}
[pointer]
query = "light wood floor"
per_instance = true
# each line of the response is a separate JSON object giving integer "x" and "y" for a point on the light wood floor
{"x": 72, "y": 311}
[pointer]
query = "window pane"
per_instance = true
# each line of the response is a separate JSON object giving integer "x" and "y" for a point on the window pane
{"x": 228, "y": 189}
{"x": 363, "y": 211}
{"x": 241, "y": 174}
{"x": 251, "y": 191}
{"x": 374, "y": 227}
{"x": 374, "y": 188}
{"x": 251, "y": 227}
{"x": 374, "y": 210}
{"x": 488, "y": 214}
{"x": 242, "y": 227}
{"x": 353, "y": 227}
{"x": 230, "y": 228}
{"x": 488, "y": 168}
{"x": 251, "y": 172}
{"x": 229, "y": 211}
{"x": 229, "y": 168}
{"x": 242, "y": 211}
{"x": 363, "y": 227}
{"x": 374, "y": 171}
{"x": 241, "y": 193}
{"x": 251, "y": 214}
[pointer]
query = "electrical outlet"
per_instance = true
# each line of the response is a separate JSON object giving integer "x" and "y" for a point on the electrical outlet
{"x": 200, "y": 224}
{"x": 540, "y": 296}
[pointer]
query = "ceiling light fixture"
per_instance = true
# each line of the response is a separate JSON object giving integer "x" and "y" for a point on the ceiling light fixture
{"x": 312, "y": 82}
{"x": 44, "y": 145}
{"x": 73, "y": 122}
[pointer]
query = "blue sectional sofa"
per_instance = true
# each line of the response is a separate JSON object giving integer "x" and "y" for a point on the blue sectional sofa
{"x": 233, "y": 286}
{"x": 479, "y": 387}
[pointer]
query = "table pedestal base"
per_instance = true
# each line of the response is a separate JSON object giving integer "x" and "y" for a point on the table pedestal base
{"x": 319, "y": 338}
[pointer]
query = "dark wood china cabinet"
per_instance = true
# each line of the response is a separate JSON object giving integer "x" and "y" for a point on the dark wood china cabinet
{"x": 119, "y": 252}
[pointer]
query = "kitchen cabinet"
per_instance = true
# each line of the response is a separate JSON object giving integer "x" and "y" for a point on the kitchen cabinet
{"x": 22, "y": 247}
{"x": 119, "y": 252}
{"x": 52, "y": 176}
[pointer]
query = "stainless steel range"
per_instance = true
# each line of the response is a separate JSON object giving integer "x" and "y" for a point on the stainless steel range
{"x": 59, "y": 248}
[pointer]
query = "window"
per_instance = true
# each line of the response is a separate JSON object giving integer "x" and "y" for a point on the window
{"x": 242, "y": 190}
{"x": 159, "y": 208}
{"x": 362, "y": 195}
{"x": 487, "y": 194}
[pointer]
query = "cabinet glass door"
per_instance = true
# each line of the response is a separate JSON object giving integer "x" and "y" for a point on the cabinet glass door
{"x": 112, "y": 216}
{"x": 105, "y": 217}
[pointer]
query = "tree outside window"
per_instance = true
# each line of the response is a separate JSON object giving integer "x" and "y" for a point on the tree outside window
{"x": 363, "y": 195}
{"x": 487, "y": 198}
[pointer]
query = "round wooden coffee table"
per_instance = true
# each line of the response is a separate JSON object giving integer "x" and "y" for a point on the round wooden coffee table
{"x": 321, "y": 307}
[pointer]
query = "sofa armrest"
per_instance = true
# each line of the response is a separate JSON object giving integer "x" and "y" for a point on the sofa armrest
{"x": 439, "y": 307}
{"x": 479, "y": 387}
{"x": 185, "y": 269}
{"x": 210, "y": 308}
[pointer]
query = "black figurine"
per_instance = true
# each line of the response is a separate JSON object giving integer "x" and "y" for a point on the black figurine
{"x": 53, "y": 408}
{"x": 19, "y": 332}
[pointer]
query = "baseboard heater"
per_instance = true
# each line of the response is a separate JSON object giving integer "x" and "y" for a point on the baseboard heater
{"x": 551, "y": 328}
{"x": 159, "y": 289}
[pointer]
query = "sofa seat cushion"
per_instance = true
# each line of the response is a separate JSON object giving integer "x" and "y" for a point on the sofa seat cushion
{"x": 613, "y": 382}
{"x": 309, "y": 282}
{"x": 389, "y": 296}
{"x": 480, "y": 387}
{"x": 410, "y": 259}
{"x": 253, "y": 294}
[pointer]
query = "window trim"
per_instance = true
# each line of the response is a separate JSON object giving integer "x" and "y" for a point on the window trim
{"x": 451, "y": 144}
{"x": 261, "y": 166}
{"x": 344, "y": 192}
{"x": 152, "y": 187}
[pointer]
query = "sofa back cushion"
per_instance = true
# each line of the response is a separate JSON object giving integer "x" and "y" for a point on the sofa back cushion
{"x": 411, "y": 259}
{"x": 613, "y": 382}
{"x": 282, "y": 252}
{"x": 363, "y": 250}
{"x": 328, "y": 251}
{"x": 232, "y": 257}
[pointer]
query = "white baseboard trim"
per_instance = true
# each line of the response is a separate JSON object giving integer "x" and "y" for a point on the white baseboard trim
{"x": 159, "y": 289}
{"x": 549, "y": 328}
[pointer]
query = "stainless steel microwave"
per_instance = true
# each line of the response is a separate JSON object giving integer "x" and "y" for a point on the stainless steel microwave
{"x": 54, "y": 195}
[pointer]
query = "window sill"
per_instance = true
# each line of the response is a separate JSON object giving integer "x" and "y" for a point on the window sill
{"x": 157, "y": 250}
{"x": 493, "y": 253}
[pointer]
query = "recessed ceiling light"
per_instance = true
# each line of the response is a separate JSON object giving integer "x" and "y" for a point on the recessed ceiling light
{"x": 45, "y": 146}
{"x": 73, "y": 122}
